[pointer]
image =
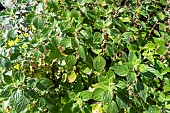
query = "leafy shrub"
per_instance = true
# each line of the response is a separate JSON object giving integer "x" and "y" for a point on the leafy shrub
{"x": 85, "y": 56}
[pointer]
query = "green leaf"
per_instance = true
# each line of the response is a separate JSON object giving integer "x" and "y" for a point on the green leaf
{"x": 54, "y": 53}
{"x": 121, "y": 70}
{"x": 67, "y": 108}
{"x": 145, "y": 68}
{"x": 29, "y": 18}
{"x": 164, "y": 2}
{"x": 153, "y": 109}
{"x": 4, "y": 62}
{"x": 55, "y": 41}
{"x": 98, "y": 94}
{"x": 150, "y": 46}
{"x": 79, "y": 86}
{"x": 107, "y": 96}
{"x": 161, "y": 15}
{"x": 134, "y": 29}
{"x": 7, "y": 79}
{"x": 99, "y": 63}
{"x": 166, "y": 88}
{"x": 162, "y": 27}
{"x": 121, "y": 100}
{"x": 110, "y": 49}
{"x": 159, "y": 41}
{"x": 161, "y": 50}
{"x": 20, "y": 76}
{"x": 91, "y": 15}
{"x": 21, "y": 104}
{"x": 98, "y": 38}
{"x": 142, "y": 90}
{"x": 44, "y": 84}
{"x": 70, "y": 60}
{"x": 131, "y": 77}
{"x": 12, "y": 34}
{"x": 82, "y": 52}
{"x": 85, "y": 95}
{"x": 74, "y": 42}
{"x": 38, "y": 23}
{"x": 112, "y": 108}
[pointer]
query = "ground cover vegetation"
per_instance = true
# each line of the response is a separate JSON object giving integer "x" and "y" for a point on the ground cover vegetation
{"x": 85, "y": 56}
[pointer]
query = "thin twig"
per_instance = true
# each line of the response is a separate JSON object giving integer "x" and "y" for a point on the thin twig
{"x": 152, "y": 29}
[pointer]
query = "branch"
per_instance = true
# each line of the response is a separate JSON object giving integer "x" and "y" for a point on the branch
{"x": 152, "y": 29}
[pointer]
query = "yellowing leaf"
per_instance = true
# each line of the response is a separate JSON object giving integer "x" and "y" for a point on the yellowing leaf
{"x": 64, "y": 77}
{"x": 16, "y": 40}
{"x": 25, "y": 34}
{"x": 17, "y": 66}
{"x": 23, "y": 45}
{"x": 71, "y": 76}
{"x": 103, "y": 3}
{"x": 11, "y": 43}
{"x": 33, "y": 28}
{"x": 96, "y": 108}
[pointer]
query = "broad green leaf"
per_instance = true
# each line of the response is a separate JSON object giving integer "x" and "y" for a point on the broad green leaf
{"x": 153, "y": 109}
{"x": 44, "y": 84}
{"x": 91, "y": 15}
{"x": 87, "y": 109}
{"x": 134, "y": 29}
{"x": 107, "y": 96}
{"x": 70, "y": 60}
{"x": 162, "y": 27}
{"x": 99, "y": 63}
{"x": 150, "y": 46}
{"x": 67, "y": 108}
{"x": 145, "y": 68}
{"x": 112, "y": 108}
{"x": 71, "y": 76}
{"x": 110, "y": 75}
{"x": 122, "y": 100}
{"x": 42, "y": 103}
{"x": 65, "y": 42}
{"x": 85, "y": 95}
{"x": 98, "y": 94}
{"x": 82, "y": 52}
{"x": 55, "y": 41}
{"x": 4, "y": 62}
{"x": 71, "y": 95}
{"x": 110, "y": 49}
{"x": 161, "y": 50}
{"x": 38, "y": 23}
{"x": 159, "y": 41}
{"x": 29, "y": 18}
{"x": 142, "y": 90}
{"x": 74, "y": 42}
{"x": 121, "y": 70}
{"x": 79, "y": 86}
{"x": 161, "y": 15}
{"x": 20, "y": 76}
{"x": 12, "y": 34}
{"x": 97, "y": 38}
{"x": 131, "y": 77}
{"x": 21, "y": 104}
{"x": 164, "y": 2}
{"x": 7, "y": 79}
{"x": 166, "y": 87}
{"x": 54, "y": 53}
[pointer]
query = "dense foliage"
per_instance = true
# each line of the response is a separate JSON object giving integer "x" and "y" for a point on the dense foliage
{"x": 85, "y": 56}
